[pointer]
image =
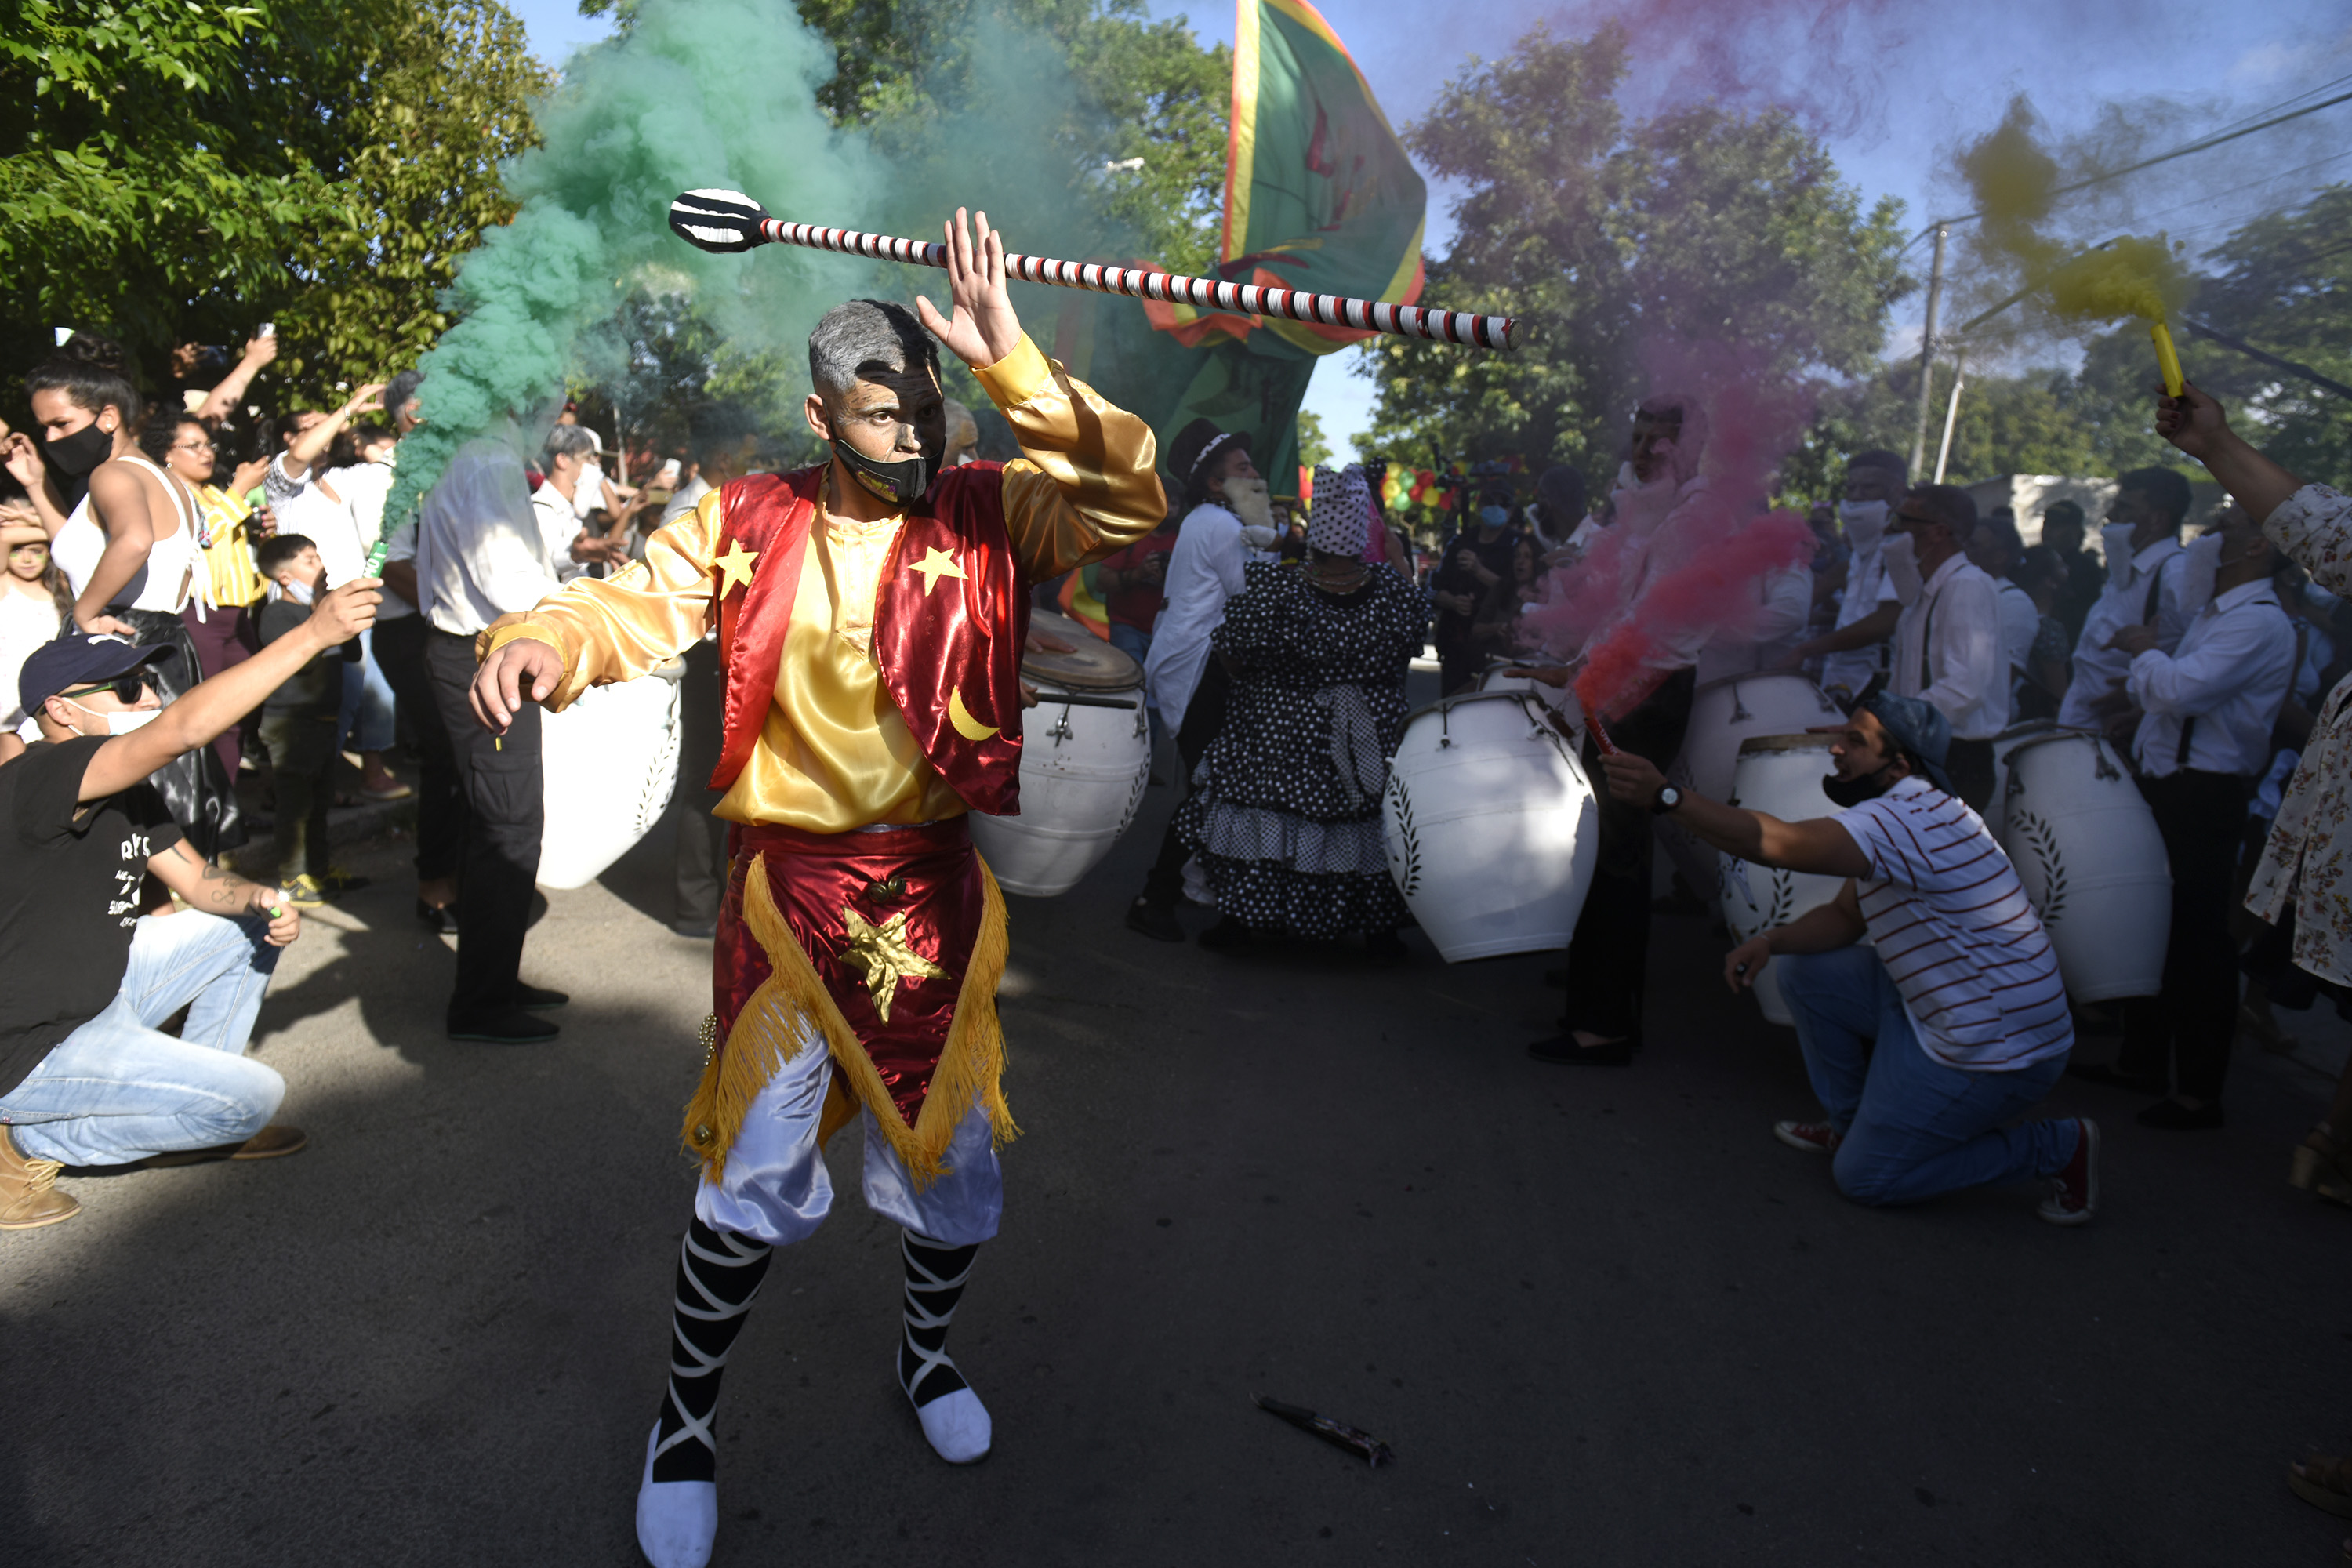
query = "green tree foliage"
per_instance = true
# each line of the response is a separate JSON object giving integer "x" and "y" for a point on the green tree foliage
{"x": 1314, "y": 447}
{"x": 1139, "y": 107}
{"x": 180, "y": 170}
{"x": 1602, "y": 234}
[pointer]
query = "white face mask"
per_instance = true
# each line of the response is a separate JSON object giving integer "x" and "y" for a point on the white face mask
{"x": 295, "y": 591}
{"x": 1864, "y": 522}
{"x": 589, "y": 493}
{"x": 1900, "y": 556}
{"x": 119, "y": 723}
{"x": 2117, "y": 538}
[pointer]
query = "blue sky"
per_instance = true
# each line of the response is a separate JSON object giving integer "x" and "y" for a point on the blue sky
{"x": 1907, "y": 84}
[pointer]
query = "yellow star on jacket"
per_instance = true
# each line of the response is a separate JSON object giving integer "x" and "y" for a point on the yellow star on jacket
{"x": 883, "y": 955}
{"x": 935, "y": 564}
{"x": 735, "y": 567}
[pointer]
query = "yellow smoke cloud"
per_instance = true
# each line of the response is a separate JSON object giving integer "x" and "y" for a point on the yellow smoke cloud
{"x": 2015, "y": 183}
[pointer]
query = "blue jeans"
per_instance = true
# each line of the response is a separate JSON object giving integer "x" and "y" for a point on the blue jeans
{"x": 367, "y": 715}
{"x": 1912, "y": 1128}
{"x": 118, "y": 1090}
{"x": 1135, "y": 645}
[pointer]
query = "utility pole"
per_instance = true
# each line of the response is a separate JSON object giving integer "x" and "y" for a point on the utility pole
{"x": 1928, "y": 353}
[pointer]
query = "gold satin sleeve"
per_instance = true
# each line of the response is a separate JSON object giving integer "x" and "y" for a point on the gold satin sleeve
{"x": 622, "y": 626}
{"x": 1083, "y": 485}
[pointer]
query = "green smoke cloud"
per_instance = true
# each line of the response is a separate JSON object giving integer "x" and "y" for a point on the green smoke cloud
{"x": 705, "y": 93}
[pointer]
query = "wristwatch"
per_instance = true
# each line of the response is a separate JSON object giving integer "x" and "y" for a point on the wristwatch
{"x": 1668, "y": 798}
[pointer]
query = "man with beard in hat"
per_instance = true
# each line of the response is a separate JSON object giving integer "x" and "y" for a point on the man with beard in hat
{"x": 1957, "y": 983}
{"x": 871, "y": 613}
{"x": 1187, "y": 686}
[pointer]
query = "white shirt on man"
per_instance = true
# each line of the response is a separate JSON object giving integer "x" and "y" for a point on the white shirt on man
{"x": 1867, "y": 590}
{"x": 2230, "y": 675}
{"x": 2021, "y": 623}
{"x": 1957, "y": 933}
{"x": 1947, "y": 651}
{"x": 1204, "y": 570}
{"x": 684, "y": 499}
{"x": 559, "y": 525}
{"x": 1784, "y": 603}
{"x": 479, "y": 551}
{"x": 2099, "y": 670}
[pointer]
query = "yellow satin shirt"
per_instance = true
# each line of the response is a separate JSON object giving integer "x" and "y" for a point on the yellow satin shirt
{"x": 228, "y": 560}
{"x": 835, "y": 752}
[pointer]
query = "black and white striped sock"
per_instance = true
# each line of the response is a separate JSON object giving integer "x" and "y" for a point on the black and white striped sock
{"x": 935, "y": 1279}
{"x": 719, "y": 1275}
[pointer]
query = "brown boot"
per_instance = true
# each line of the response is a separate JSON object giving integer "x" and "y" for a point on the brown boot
{"x": 28, "y": 1194}
{"x": 267, "y": 1145}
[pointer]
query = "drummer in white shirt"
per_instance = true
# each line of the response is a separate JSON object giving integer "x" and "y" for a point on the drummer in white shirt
{"x": 1855, "y": 650}
{"x": 1947, "y": 648}
{"x": 1956, "y": 984}
{"x": 2203, "y": 740}
{"x": 1204, "y": 570}
{"x": 2142, "y": 540}
{"x": 1995, "y": 550}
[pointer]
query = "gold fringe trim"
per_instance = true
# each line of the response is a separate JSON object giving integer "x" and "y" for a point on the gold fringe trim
{"x": 776, "y": 1021}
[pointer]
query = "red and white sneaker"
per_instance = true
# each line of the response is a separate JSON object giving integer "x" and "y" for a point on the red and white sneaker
{"x": 2074, "y": 1191}
{"x": 1814, "y": 1137}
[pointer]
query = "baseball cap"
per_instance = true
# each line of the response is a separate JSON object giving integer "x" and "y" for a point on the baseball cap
{"x": 1917, "y": 727}
{"x": 81, "y": 659}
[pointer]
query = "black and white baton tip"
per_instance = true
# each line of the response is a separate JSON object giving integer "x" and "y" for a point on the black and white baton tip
{"x": 723, "y": 221}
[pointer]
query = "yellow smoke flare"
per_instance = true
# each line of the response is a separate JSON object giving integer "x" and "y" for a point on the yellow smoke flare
{"x": 2167, "y": 359}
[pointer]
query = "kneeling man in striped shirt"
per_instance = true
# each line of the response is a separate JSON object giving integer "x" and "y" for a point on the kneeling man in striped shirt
{"x": 1957, "y": 985}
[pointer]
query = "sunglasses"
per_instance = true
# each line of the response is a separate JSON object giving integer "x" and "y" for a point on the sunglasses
{"x": 126, "y": 686}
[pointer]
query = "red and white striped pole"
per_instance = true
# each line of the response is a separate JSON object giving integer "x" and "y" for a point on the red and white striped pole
{"x": 730, "y": 221}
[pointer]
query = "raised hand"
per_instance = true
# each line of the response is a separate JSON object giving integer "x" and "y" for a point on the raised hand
{"x": 984, "y": 327}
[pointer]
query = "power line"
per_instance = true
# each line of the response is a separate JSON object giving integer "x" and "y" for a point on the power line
{"x": 2203, "y": 144}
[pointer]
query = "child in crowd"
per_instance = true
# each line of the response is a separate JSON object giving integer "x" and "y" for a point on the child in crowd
{"x": 34, "y": 599}
{"x": 298, "y": 722}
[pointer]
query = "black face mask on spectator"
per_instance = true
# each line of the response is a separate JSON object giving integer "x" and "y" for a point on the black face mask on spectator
{"x": 78, "y": 453}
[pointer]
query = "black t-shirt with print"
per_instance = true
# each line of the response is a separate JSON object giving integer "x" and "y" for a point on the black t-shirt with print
{"x": 70, "y": 881}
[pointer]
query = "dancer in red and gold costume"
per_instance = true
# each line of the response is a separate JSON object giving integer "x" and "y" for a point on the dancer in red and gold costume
{"x": 870, "y": 615}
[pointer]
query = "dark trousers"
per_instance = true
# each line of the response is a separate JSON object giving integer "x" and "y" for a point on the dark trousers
{"x": 1204, "y": 719}
{"x": 1970, "y": 763}
{"x": 507, "y": 812}
{"x": 303, "y": 768}
{"x": 700, "y": 862}
{"x": 2188, "y": 1026}
{"x": 224, "y": 639}
{"x": 1610, "y": 952}
{"x": 1458, "y": 670}
{"x": 440, "y": 796}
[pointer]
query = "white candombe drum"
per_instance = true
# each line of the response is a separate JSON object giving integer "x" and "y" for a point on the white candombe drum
{"x": 608, "y": 763}
{"x": 2087, "y": 848}
{"x": 1780, "y": 775}
{"x": 1725, "y": 714}
{"x": 1490, "y": 827}
{"x": 1495, "y": 680}
{"x": 1083, "y": 767}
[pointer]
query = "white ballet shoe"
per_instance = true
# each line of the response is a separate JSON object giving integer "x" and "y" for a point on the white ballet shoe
{"x": 957, "y": 1426}
{"x": 678, "y": 1520}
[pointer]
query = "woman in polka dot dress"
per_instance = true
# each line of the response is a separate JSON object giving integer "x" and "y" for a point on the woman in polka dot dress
{"x": 1284, "y": 813}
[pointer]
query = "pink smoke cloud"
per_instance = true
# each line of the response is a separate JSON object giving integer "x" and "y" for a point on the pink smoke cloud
{"x": 1724, "y": 538}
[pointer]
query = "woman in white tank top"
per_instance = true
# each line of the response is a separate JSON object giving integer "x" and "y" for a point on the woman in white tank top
{"x": 89, "y": 414}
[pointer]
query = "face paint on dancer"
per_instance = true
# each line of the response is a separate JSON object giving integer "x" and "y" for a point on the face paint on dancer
{"x": 891, "y": 432}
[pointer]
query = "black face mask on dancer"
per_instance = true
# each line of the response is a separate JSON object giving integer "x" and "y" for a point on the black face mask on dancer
{"x": 901, "y": 483}
{"x": 78, "y": 453}
{"x": 1849, "y": 792}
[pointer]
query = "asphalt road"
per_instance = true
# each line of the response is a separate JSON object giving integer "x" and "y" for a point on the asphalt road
{"x": 1601, "y": 1316}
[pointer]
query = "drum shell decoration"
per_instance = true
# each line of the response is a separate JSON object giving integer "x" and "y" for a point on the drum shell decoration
{"x": 1724, "y": 715}
{"x": 1491, "y": 827}
{"x": 1781, "y": 776}
{"x": 608, "y": 764}
{"x": 2088, "y": 851}
{"x": 1083, "y": 768}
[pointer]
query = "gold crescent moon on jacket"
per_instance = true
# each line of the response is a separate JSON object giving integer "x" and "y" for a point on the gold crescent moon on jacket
{"x": 969, "y": 728}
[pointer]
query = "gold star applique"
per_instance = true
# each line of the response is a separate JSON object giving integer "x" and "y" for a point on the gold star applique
{"x": 881, "y": 953}
{"x": 735, "y": 567}
{"x": 935, "y": 564}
